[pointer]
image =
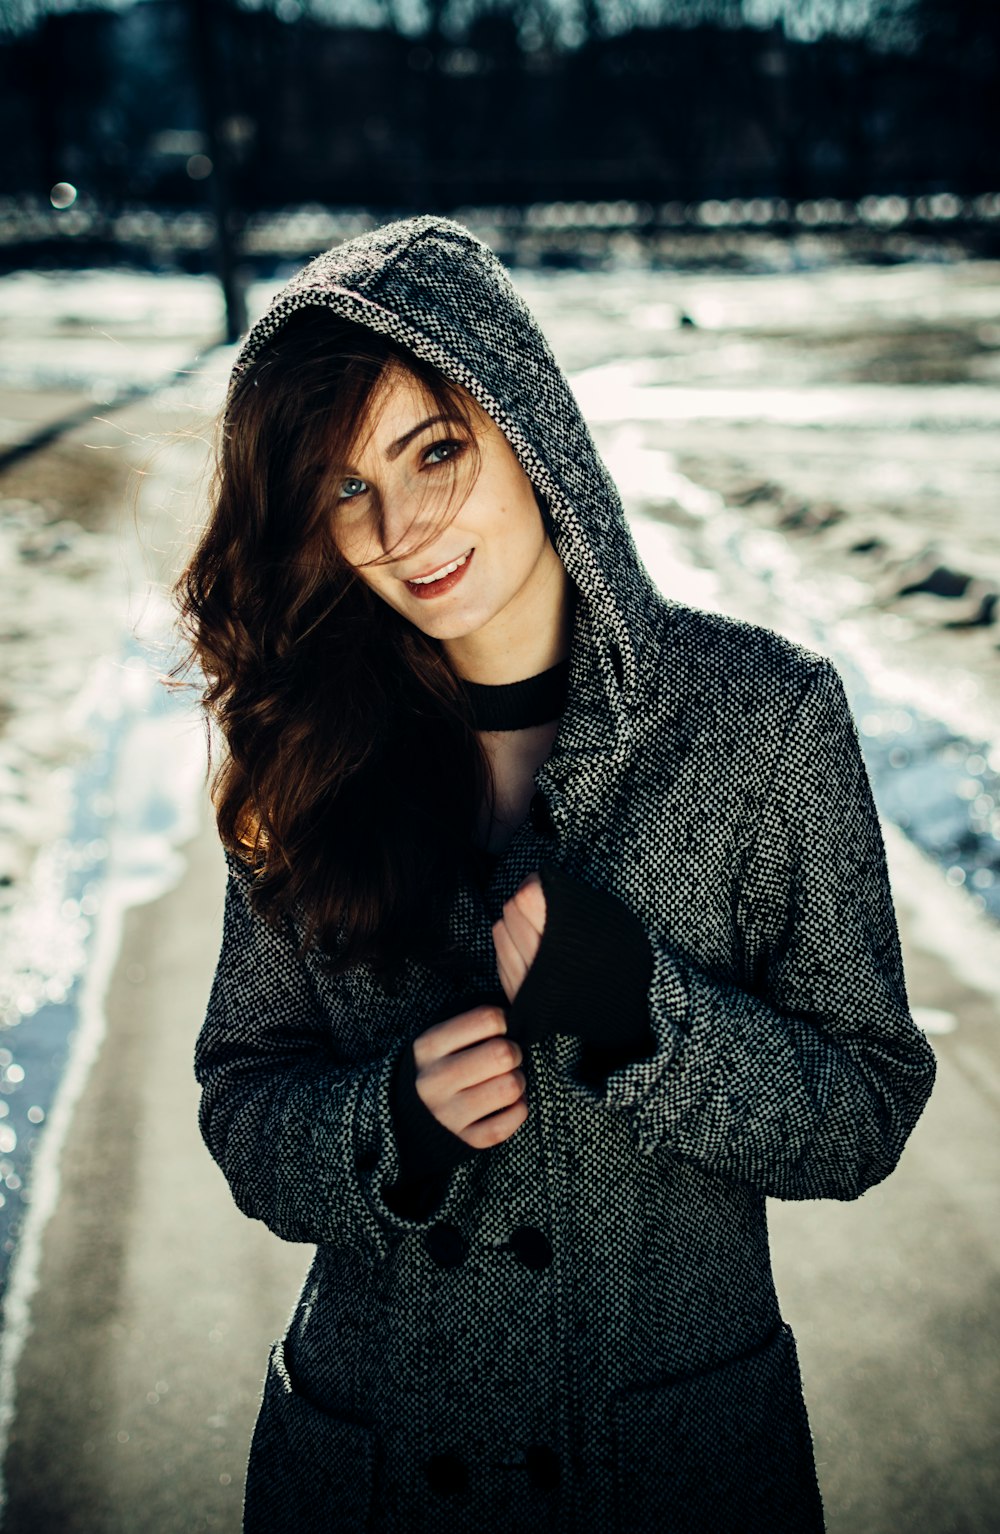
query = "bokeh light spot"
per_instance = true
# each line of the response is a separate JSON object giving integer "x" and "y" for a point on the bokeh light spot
{"x": 63, "y": 195}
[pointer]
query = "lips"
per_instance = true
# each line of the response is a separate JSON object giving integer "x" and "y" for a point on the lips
{"x": 425, "y": 573}
{"x": 444, "y": 583}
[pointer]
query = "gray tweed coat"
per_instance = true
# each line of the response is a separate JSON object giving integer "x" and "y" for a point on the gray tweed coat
{"x": 583, "y": 1334}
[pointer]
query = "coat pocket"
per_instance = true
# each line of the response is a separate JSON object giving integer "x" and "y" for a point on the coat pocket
{"x": 727, "y": 1451}
{"x": 308, "y": 1470}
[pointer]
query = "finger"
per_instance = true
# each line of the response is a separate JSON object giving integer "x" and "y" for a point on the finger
{"x": 457, "y": 1074}
{"x": 530, "y": 901}
{"x": 511, "y": 964}
{"x": 497, "y": 1127}
{"x": 459, "y": 1032}
{"x": 525, "y": 936}
{"x": 488, "y": 1096}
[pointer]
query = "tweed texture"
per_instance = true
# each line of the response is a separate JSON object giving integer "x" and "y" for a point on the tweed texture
{"x": 580, "y": 1330}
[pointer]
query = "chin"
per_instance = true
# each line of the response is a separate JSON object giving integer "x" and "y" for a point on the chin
{"x": 449, "y": 631}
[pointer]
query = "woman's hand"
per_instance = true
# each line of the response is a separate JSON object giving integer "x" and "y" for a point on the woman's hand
{"x": 468, "y": 1076}
{"x": 518, "y": 934}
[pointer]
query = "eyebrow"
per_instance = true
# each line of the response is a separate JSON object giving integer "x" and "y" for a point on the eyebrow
{"x": 395, "y": 448}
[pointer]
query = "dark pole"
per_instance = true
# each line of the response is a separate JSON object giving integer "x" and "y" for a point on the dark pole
{"x": 208, "y": 78}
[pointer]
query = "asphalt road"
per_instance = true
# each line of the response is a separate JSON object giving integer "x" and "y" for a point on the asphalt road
{"x": 157, "y": 1299}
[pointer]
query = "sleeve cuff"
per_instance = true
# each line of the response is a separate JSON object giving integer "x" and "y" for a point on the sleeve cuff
{"x": 591, "y": 974}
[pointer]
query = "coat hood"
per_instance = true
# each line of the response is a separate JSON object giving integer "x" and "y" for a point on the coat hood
{"x": 430, "y": 284}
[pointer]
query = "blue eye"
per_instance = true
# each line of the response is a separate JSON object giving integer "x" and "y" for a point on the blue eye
{"x": 437, "y": 447}
{"x": 351, "y": 494}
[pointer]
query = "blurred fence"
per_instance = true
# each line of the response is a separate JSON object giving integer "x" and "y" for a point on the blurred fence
{"x": 709, "y": 232}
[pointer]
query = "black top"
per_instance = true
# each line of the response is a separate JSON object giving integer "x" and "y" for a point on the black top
{"x": 514, "y": 706}
{"x": 519, "y": 705}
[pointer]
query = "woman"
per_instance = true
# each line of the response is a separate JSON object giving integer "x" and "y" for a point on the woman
{"x": 558, "y": 936}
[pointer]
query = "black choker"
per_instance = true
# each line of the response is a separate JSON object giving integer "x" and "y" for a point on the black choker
{"x": 519, "y": 705}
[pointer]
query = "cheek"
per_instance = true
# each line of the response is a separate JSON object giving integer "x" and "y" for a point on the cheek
{"x": 352, "y": 541}
{"x": 384, "y": 587}
{"x": 357, "y": 545}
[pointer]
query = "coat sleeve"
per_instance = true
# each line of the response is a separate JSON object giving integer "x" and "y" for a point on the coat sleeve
{"x": 306, "y": 1141}
{"x": 807, "y": 1083}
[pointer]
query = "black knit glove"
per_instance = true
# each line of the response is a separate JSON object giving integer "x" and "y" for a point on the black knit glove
{"x": 591, "y": 974}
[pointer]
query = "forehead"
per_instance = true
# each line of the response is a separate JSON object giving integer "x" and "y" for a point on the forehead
{"x": 400, "y": 401}
{"x": 398, "y": 394}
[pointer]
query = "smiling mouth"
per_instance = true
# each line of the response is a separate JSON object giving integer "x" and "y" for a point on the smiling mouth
{"x": 441, "y": 572}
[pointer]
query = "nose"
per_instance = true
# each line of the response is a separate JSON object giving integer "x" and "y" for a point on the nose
{"x": 408, "y": 520}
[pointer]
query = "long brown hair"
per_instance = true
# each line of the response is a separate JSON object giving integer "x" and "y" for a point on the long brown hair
{"x": 351, "y": 777}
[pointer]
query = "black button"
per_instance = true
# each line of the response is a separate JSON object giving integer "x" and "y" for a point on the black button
{"x": 446, "y": 1473}
{"x": 541, "y": 819}
{"x": 530, "y": 1247}
{"x": 543, "y": 1466}
{"x": 446, "y": 1245}
{"x": 366, "y": 1160}
{"x": 616, "y": 662}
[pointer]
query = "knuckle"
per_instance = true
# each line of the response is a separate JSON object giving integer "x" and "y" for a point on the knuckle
{"x": 427, "y": 1073}
{"x": 500, "y": 1093}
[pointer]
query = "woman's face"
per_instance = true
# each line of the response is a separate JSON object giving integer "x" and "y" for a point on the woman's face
{"x": 508, "y": 605}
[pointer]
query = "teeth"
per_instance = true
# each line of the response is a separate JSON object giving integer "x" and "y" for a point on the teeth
{"x": 439, "y": 575}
